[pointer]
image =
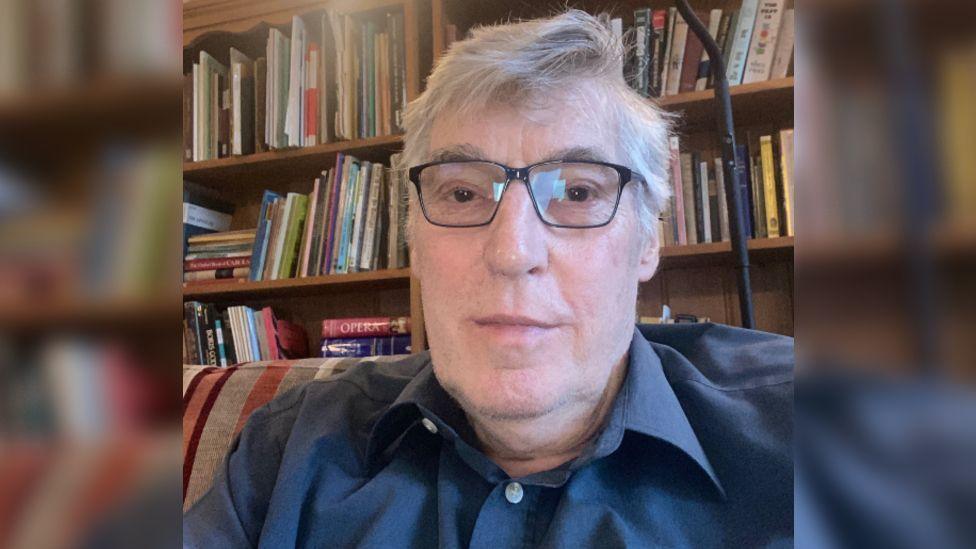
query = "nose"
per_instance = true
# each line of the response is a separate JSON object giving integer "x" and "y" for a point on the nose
{"x": 517, "y": 243}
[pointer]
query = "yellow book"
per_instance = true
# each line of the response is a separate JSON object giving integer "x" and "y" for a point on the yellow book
{"x": 769, "y": 185}
{"x": 958, "y": 79}
{"x": 786, "y": 172}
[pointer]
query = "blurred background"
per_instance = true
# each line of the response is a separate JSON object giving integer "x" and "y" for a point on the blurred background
{"x": 90, "y": 259}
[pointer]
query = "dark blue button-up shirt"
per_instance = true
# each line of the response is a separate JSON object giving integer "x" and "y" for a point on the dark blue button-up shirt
{"x": 696, "y": 453}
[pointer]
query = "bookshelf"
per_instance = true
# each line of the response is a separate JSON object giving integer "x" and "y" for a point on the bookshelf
{"x": 240, "y": 180}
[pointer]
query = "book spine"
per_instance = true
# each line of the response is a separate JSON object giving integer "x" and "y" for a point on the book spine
{"x": 745, "y": 196}
{"x": 268, "y": 328}
{"x": 723, "y": 209}
{"x": 672, "y": 15}
{"x": 369, "y": 234}
{"x": 758, "y": 198}
{"x": 330, "y": 230}
{"x": 706, "y": 214}
{"x": 221, "y": 343}
{"x": 642, "y": 32}
{"x": 347, "y": 217}
{"x": 764, "y": 37}
{"x": 306, "y": 248}
{"x": 690, "y": 204}
{"x": 212, "y": 264}
{"x": 658, "y": 27}
{"x": 399, "y": 70}
{"x": 190, "y": 332}
{"x": 365, "y": 347}
{"x": 693, "y": 53}
{"x": 206, "y": 218}
{"x": 216, "y": 274}
{"x": 786, "y": 165}
{"x": 675, "y": 63}
{"x": 365, "y": 327}
{"x": 228, "y": 335}
{"x": 741, "y": 41}
{"x": 784, "y": 45}
{"x": 721, "y": 39}
{"x": 704, "y": 63}
{"x": 206, "y": 324}
{"x": 677, "y": 190}
{"x": 359, "y": 217}
{"x": 296, "y": 222}
{"x": 312, "y": 95}
{"x": 261, "y": 333}
{"x": 769, "y": 185}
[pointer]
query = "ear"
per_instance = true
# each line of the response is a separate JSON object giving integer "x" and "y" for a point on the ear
{"x": 649, "y": 257}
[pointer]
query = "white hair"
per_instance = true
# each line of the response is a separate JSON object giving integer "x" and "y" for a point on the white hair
{"x": 526, "y": 64}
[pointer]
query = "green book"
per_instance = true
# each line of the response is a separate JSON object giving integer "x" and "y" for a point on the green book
{"x": 296, "y": 223}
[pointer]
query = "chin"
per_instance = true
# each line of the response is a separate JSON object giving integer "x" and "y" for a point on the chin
{"x": 504, "y": 394}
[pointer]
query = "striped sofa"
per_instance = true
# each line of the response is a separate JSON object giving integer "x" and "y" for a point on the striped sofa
{"x": 218, "y": 401}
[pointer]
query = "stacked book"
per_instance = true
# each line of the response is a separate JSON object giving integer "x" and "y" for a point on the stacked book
{"x": 361, "y": 337}
{"x": 351, "y": 221}
{"x": 698, "y": 211}
{"x": 223, "y": 337}
{"x": 218, "y": 256}
{"x": 756, "y": 41}
{"x": 329, "y": 77}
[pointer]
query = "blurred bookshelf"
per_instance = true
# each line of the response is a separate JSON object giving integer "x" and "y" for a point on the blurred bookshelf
{"x": 693, "y": 278}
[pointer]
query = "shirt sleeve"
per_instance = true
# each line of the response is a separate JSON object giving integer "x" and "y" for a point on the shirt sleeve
{"x": 232, "y": 513}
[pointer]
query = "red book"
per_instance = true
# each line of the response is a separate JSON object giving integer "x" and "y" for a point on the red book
{"x": 312, "y": 95}
{"x": 693, "y": 54}
{"x": 269, "y": 321}
{"x": 365, "y": 327}
{"x": 220, "y": 263}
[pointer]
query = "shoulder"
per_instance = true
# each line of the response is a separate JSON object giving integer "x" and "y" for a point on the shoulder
{"x": 723, "y": 358}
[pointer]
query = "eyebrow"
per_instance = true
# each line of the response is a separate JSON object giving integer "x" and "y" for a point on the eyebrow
{"x": 466, "y": 151}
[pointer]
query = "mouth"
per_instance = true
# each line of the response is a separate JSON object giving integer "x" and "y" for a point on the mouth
{"x": 514, "y": 329}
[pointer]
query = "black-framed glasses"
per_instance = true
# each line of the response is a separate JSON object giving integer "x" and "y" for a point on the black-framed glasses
{"x": 569, "y": 194}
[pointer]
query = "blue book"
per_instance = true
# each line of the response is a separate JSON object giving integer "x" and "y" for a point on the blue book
{"x": 745, "y": 194}
{"x": 252, "y": 333}
{"x": 366, "y": 346}
{"x": 332, "y": 215}
{"x": 261, "y": 236}
{"x": 346, "y": 235}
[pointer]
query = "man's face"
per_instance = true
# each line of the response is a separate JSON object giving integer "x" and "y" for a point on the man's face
{"x": 524, "y": 319}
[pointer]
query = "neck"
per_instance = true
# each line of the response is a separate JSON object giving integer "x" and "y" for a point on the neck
{"x": 524, "y": 447}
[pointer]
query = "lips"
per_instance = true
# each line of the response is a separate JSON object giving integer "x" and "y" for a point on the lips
{"x": 513, "y": 321}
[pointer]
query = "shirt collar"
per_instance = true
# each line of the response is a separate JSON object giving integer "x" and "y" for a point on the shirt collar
{"x": 646, "y": 405}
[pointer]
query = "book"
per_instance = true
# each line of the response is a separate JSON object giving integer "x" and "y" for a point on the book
{"x": 202, "y": 214}
{"x": 763, "y": 44}
{"x": 642, "y": 53}
{"x": 745, "y": 196}
{"x": 786, "y": 167}
{"x": 722, "y": 39}
{"x": 704, "y": 66}
{"x": 327, "y": 79}
{"x": 242, "y": 103}
{"x": 348, "y": 213}
{"x": 311, "y": 121}
{"x": 677, "y": 191}
{"x": 366, "y": 257}
{"x": 306, "y": 244}
{"x": 217, "y": 263}
{"x": 331, "y": 227}
{"x": 783, "y": 53}
{"x": 769, "y": 185}
{"x": 292, "y": 236}
{"x": 723, "y": 209}
{"x": 359, "y": 216}
{"x": 261, "y": 333}
{"x": 672, "y": 18}
{"x": 188, "y": 111}
{"x": 365, "y": 347}
{"x": 760, "y": 225}
{"x": 741, "y": 39}
{"x": 260, "y": 104}
{"x": 679, "y": 39}
{"x": 398, "y": 69}
{"x": 225, "y": 237}
{"x": 693, "y": 52}
{"x": 688, "y": 191}
{"x": 281, "y": 227}
{"x": 704, "y": 196}
{"x": 659, "y": 19}
{"x": 296, "y": 84}
{"x": 190, "y": 331}
{"x": 207, "y": 321}
{"x": 365, "y": 327}
{"x": 261, "y": 234}
{"x": 216, "y": 274}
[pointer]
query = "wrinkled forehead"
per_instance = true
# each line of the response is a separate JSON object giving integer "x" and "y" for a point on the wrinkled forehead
{"x": 567, "y": 125}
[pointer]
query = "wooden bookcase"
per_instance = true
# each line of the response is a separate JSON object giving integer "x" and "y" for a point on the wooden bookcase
{"x": 696, "y": 279}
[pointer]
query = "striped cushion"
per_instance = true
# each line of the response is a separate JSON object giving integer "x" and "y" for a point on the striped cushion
{"x": 218, "y": 401}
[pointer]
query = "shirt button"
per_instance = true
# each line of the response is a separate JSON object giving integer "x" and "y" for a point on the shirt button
{"x": 429, "y": 425}
{"x": 513, "y": 492}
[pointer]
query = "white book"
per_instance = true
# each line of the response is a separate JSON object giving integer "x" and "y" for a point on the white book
{"x": 240, "y": 65}
{"x": 741, "y": 40}
{"x": 672, "y": 16}
{"x": 677, "y": 56}
{"x": 269, "y": 56}
{"x": 206, "y": 218}
{"x": 784, "y": 46}
{"x": 372, "y": 213}
{"x": 688, "y": 190}
{"x": 723, "y": 208}
{"x": 714, "y": 18}
{"x": 296, "y": 84}
{"x": 311, "y": 82}
{"x": 209, "y": 66}
{"x": 392, "y": 231}
{"x": 237, "y": 329}
{"x": 705, "y": 206}
{"x": 280, "y": 237}
{"x": 280, "y": 87}
{"x": 196, "y": 112}
{"x": 764, "y": 36}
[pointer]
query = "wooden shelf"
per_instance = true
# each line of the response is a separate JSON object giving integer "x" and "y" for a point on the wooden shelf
{"x": 287, "y": 165}
{"x": 760, "y": 102}
{"x": 297, "y": 287}
{"x": 763, "y": 249}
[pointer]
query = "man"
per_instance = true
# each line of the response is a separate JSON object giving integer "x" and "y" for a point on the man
{"x": 540, "y": 416}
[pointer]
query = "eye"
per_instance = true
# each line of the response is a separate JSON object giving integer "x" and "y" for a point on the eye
{"x": 462, "y": 195}
{"x": 578, "y": 194}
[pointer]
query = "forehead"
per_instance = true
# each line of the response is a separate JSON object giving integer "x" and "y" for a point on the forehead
{"x": 519, "y": 136}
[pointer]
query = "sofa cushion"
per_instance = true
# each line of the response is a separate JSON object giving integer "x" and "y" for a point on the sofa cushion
{"x": 218, "y": 401}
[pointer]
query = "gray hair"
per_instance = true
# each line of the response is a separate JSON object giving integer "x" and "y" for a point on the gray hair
{"x": 527, "y": 62}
